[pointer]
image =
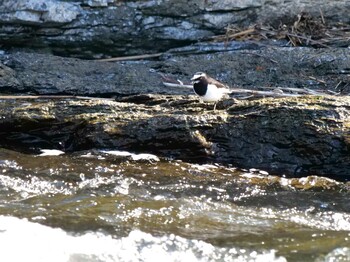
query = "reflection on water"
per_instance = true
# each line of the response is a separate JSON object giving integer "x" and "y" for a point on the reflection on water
{"x": 118, "y": 206}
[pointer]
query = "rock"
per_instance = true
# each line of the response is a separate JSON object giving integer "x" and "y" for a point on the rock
{"x": 324, "y": 69}
{"x": 38, "y": 12}
{"x": 291, "y": 136}
{"x": 8, "y": 80}
{"x": 98, "y": 28}
{"x": 227, "y": 5}
{"x": 95, "y": 3}
{"x": 45, "y": 74}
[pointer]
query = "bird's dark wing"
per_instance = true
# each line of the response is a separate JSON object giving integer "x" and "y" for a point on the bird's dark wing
{"x": 216, "y": 82}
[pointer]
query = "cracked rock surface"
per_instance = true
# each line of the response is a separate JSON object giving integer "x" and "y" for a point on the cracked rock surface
{"x": 96, "y": 28}
{"x": 290, "y": 136}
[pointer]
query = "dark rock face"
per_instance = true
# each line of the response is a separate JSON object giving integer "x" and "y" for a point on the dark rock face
{"x": 286, "y": 67}
{"x": 97, "y": 28}
{"x": 291, "y": 136}
{"x": 285, "y": 135}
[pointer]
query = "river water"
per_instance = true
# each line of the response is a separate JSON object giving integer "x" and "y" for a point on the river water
{"x": 118, "y": 206}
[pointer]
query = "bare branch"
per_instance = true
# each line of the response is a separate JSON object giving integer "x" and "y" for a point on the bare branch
{"x": 275, "y": 91}
{"x": 134, "y": 57}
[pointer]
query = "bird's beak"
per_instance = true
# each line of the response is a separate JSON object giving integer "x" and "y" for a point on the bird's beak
{"x": 194, "y": 80}
{"x": 197, "y": 76}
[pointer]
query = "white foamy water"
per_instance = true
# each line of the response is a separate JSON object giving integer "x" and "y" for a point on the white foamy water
{"x": 135, "y": 157}
{"x": 21, "y": 240}
{"x": 51, "y": 152}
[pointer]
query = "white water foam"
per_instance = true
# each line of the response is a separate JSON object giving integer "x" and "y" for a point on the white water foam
{"x": 21, "y": 240}
{"x": 50, "y": 152}
{"x": 135, "y": 157}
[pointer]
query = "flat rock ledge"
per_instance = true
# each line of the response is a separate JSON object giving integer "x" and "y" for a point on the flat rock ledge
{"x": 286, "y": 136}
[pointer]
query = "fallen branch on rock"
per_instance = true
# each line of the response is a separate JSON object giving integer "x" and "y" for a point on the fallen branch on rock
{"x": 274, "y": 91}
{"x": 127, "y": 58}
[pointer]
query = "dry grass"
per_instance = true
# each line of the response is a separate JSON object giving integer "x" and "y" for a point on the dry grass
{"x": 306, "y": 30}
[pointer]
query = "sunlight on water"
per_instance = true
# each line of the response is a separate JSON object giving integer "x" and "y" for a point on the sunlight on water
{"x": 42, "y": 243}
{"x": 337, "y": 255}
{"x": 34, "y": 186}
{"x": 180, "y": 211}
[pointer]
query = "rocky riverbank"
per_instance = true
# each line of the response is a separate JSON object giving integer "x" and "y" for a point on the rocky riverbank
{"x": 291, "y": 136}
{"x": 129, "y": 108}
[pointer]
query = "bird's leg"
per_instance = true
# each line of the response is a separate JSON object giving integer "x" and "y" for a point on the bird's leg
{"x": 215, "y": 106}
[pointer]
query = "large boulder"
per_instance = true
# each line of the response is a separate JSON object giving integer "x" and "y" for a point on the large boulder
{"x": 286, "y": 136}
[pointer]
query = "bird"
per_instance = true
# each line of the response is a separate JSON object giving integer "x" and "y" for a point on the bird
{"x": 209, "y": 89}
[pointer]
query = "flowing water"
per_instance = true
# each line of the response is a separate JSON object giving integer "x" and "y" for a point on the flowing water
{"x": 118, "y": 206}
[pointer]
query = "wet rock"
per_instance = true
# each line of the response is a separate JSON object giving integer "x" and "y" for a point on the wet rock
{"x": 291, "y": 136}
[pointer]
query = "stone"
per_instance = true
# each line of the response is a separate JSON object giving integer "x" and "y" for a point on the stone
{"x": 294, "y": 137}
{"x": 36, "y": 12}
{"x": 228, "y": 5}
{"x": 103, "y": 28}
{"x": 252, "y": 67}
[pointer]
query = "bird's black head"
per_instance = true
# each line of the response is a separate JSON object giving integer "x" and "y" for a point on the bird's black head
{"x": 200, "y": 83}
{"x": 197, "y": 77}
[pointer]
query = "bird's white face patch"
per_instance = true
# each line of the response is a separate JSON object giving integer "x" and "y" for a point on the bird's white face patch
{"x": 197, "y": 76}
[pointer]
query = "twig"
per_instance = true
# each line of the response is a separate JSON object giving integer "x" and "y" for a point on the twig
{"x": 244, "y": 32}
{"x": 306, "y": 38}
{"x": 336, "y": 87}
{"x": 292, "y": 89}
{"x": 167, "y": 84}
{"x": 238, "y": 90}
{"x": 134, "y": 57}
{"x": 291, "y": 40}
{"x": 333, "y": 93}
{"x": 275, "y": 92}
{"x": 317, "y": 80}
{"x": 322, "y": 17}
